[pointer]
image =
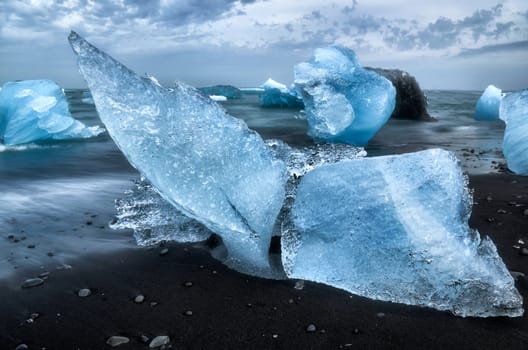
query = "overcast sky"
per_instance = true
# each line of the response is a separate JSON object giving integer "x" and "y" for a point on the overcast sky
{"x": 448, "y": 44}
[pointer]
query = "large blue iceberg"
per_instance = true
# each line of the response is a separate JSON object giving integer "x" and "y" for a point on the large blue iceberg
{"x": 276, "y": 94}
{"x": 514, "y": 112}
{"x": 37, "y": 110}
{"x": 395, "y": 228}
{"x": 207, "y": 164}
{"x": 488, "y": 105}
{"x": 343, "y": 101}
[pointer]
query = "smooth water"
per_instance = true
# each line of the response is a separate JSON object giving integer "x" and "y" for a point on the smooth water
{"x": 59, "y": 196}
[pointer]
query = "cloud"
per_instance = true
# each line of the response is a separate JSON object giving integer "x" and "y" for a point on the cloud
{"x": 497, "y": 48}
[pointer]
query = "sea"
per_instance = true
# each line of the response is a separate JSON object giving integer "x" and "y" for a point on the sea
{"x": 57, "y": 199}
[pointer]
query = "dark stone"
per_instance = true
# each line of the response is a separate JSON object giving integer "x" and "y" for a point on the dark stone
{"x": 411, "y": 102}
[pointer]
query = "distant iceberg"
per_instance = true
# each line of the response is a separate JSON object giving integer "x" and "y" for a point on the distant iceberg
{"x": 218, "y": 98}
{"x": 206, "y": 163}
{"x": 514, "y": 112}
{"x": 488, "y": 105}
{"x": 343, "y": 102}
{"x": 228, "y": 91}
{"x": 37, "y": 110}
{"x": 278, "y": 95}
{"x": 87, "y": 98}
{"x": 395, "y": 228}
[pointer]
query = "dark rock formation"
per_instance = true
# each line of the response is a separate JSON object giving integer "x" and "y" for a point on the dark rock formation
{"x": 411, "y": 102}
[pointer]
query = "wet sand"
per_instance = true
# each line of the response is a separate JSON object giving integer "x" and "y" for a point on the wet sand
{"x": 234, "y": 311}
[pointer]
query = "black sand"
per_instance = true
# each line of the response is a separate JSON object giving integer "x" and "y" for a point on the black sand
{"x": 234, "y": 311}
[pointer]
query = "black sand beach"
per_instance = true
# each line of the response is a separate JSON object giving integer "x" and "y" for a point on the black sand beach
{"x": 223, "y": 309}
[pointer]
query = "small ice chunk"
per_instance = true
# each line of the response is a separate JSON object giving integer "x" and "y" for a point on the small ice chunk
{"x": 37, "y": 110}
{"x": 230, "y": 92}
{"x": 206, "y": 163}
{"x": 395, "y": 228}
{"x": 218, "y": 98}
{"x": 514, "y": 112}
{"x": 272, "y": 84}
{"x": 488, "y": 105}
{"x": 343, "y": 101}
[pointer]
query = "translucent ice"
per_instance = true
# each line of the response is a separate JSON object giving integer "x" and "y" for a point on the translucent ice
{"x": 207, "y": 164}
{"x": 87, "y": 98}
{"x": 276, "y": 94}
{"x": 37, "y": 110}
{"x": 514, "y": 112}
{"x": 488, "y": 105}
{"x": 154, "y": 219}
{"x": 343, "y": 101}
{"x": 395, "y": 228}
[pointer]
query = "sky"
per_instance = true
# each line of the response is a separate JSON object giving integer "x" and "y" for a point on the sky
{"x": 448, "y": 44}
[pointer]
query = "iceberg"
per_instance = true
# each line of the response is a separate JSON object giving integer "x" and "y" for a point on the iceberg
{"x": 276, "y": 94}
{"x": 209, "y": 165}
{"x": 272, "y": 84}
{"x": 514, "y": 112}
{"x": 488, "y": 105}
{"x": 394, "y": 228}
{"x": 37, "y": 110}
{"x": 230, "y": 92}
{"x": 343, "y": 102}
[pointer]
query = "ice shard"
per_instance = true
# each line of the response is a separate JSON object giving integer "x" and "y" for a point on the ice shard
{"x": 343, "y": 101}
{"x": 395, "y": 228}
{"x": 37, "y": 110}
{"x": 207, "y": 164}
{"x": 488, "y": 105}
{"x": 514, "y": 112}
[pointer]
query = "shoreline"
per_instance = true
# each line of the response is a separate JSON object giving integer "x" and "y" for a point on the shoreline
{"x": 231, "y": 310}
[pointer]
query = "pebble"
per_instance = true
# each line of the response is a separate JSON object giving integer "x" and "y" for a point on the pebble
{"x": 117, "y": 340}
{"x": 380, "y": 314}
{"x": 83, "y": 293}
{"x": 164, "y": 251}
{"x": 525, "y": 212}
{"x": 158, "y": 341}
{"x": 188, "y": 284}
{"x": 44, "y": 274}
{"x": 22, "y": 347}
{"x": 144, "y": 338}
{"x": 311, "y": 328}
{"x": 32, "y": 282}
{"x": 139, "y": 299}
{"x": 31, "y": 246}
{"x": 524, "y": 251}
{"x": 153, "y": 303}
{"x": 299, "y": 285}
{"x": 188, "y": 313}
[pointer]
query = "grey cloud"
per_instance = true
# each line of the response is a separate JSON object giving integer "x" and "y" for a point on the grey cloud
{"x": 446, "y": 32}
{"x": 498, "y": 48}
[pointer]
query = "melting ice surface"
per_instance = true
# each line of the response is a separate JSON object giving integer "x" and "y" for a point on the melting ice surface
{"x": 343, "y": 101}
{"x": 37, "y": 110}
{"x": 395, "y": 228}
{"x": 488, "y": 105}
{"x": 514, "y": 112}
{"x": 154, "y": 219}
{"x": 207, "y": 164}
